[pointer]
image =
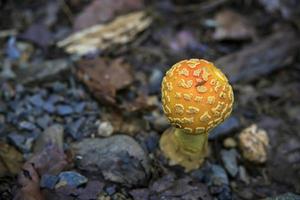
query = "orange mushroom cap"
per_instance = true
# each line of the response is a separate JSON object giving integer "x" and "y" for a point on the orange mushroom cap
{"x": 196, "y": 96}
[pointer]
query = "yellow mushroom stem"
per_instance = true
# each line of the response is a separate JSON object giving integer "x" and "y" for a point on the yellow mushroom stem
{"x": 184, "y": 149}
{"x": 192, "y": 143}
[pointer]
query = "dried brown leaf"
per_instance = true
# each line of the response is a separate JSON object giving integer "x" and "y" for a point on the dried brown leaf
{"x": 104, "y": 77}
{"x": 29, "y": 181}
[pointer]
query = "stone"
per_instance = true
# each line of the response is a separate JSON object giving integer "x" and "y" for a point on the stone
{"x": 218, "y": 176}
{"x": 243, "y": 175}
{"x": 48, "y": 181}
{"x": 70, "y": 178}
{"x": 25, "y": 125}
{"x": 118, "y": 158}
{"x": 64, "y": 110}
{"x": 155, "y": 80}
{"x": 254, "y": 143}
{"x": 20, "y": 141}
{"x": 52, "y": 135}
{"x": 228, "y": 126}
{"x": 161, "y": 123}
{"x": 229, "y": 158}
{"x": 286, "y": 196}
{"x": 36, "y": 100}
{"x": 229, "y": 142}
{"x": 105, "y": 129}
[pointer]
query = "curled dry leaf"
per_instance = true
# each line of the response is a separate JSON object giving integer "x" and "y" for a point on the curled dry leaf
{"x": 104, "y": 78}
{"x": 233, "y": 26}
{"x": 30, "y": 186}
{"x": 100, "y": 37}
{"x": 51, "y": 160}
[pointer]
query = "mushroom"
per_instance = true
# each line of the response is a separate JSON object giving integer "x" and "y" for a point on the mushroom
{"x": 196, "y": 97}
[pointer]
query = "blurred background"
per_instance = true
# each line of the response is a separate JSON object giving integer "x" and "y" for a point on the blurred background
{"x": 80, "y": 108}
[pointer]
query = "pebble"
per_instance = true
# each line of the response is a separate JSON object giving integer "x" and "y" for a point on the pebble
{"x": 64, "y": 110}
{"x": 73, "y": 128}
{"x": 229, "y": 125}
{"x": 44, "y": 121}
{"x": 48, "y": 181}
{"x": 243, "y": 175}
{"x": 218, "y": 176}
{"x": 155, "y": 81}
{"x": 161, "y": 123}
{"x": 25, "y": 125}
{"x": 223, "y": 192}
{"x": 105, "y": 129}
{"x": 70, "y": 178}
{"x": 254, "y": 143}
{"x": 286, "y": 196}
{"x": 119, "y": 158}
{"x": 79, "y": 107}
{"x": 36, "y": 100}
{"x": 229, "y": 158}
{"x": 49, "y": 107}
{"x": 52, "y": 135}
{"x": 22, "y": 142}
{"x": 229, "y": 143}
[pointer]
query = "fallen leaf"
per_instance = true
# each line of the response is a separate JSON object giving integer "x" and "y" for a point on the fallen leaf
{"x": 30, "y": 184}
{"x": 51, "y": 160}
{"x": 104, "y": 78}
{"x": 99, "y": 11}
{"x": 231, "y": 25}
{"x": 103, "y": 36}
{"x": 10, "y": 160}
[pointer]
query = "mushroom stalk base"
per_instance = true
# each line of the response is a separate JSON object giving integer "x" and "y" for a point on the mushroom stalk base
{"x": 183, "y": 149}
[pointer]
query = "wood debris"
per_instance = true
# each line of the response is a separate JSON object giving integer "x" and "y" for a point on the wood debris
{"x": 100, "y": 37}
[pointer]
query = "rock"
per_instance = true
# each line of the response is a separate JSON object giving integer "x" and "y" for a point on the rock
{"x": 254, "y": 143}
{"x": 64, "y": 110}
{"x": 225, "y": 128}
{"x": 70, "y": 178}
{"x": 161, "y": 123}
{"x": 49, "y": 107}
{"x": 52, "y": 135}
{"x": 256, "y": 60}
{"x": 229, "y": 158}
{"x": 218, "y": 176}
{"x": 118, "y": 158}
{"x": 73, "y": 128}
{"x": 25, "y": 125}
{"x": 286, "y": 196}
{"x": 229, "y": 142}
{"x": 43, "y": 71}
{"x": 44, "y": 121}
{"x": 155, "y": 81}
{"x": 169, "y": 187}
{"x": 222, "y": 192}
{"x": 22, "y": 142}
{"x": 105, "y": 129}
{"x": 36, "y": 100}
{"x": 48, "y": 181}
{"x": 243, "y": 175}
